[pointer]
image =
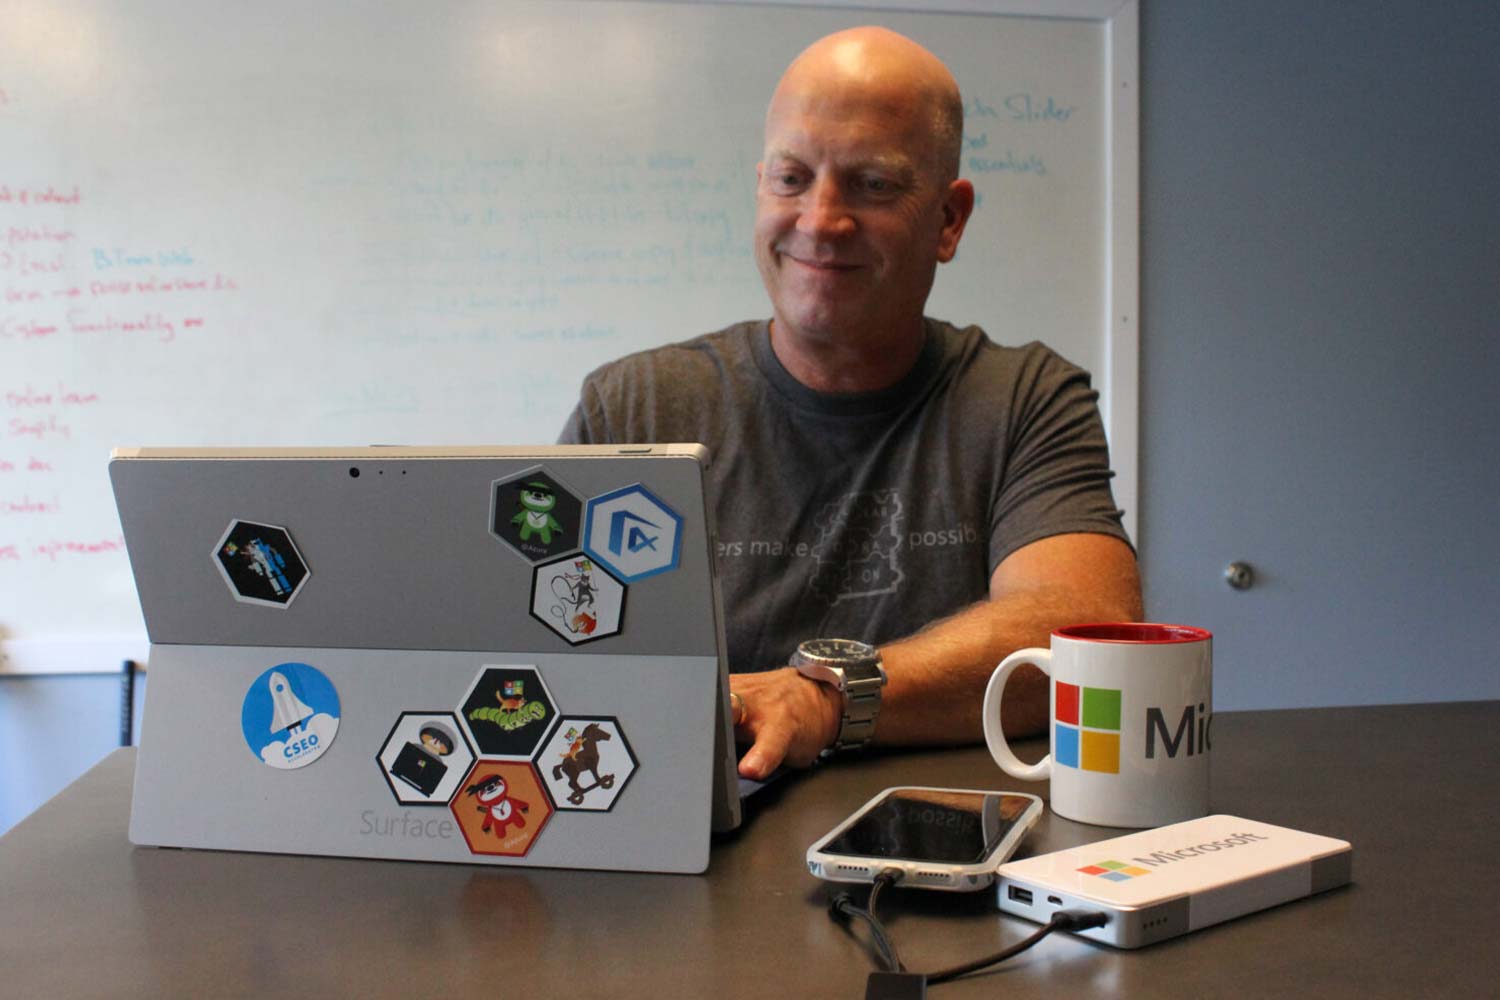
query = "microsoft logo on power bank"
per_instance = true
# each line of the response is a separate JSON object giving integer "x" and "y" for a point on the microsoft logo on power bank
{"x": 1087, "y": 728}
{"x": 1115, "y": 871}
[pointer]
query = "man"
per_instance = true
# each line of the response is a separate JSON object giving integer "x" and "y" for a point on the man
{"x": 877, "y": 475}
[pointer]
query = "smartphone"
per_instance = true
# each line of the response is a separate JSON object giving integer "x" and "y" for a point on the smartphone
{"x": 940, "y": 838}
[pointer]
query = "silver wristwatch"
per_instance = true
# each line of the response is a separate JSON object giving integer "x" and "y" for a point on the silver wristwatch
{"x": 855, "y": 669}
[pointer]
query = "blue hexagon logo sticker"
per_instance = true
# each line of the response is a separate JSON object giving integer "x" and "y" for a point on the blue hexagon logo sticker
{"x": 632, "y": 533}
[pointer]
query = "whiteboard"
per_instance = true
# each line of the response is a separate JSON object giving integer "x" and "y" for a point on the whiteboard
{"x": 397, "y": 223}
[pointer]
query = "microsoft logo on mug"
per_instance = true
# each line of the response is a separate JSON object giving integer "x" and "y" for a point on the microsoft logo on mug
{"x": 1088, "y": 728}
{"x": 1087, "y": 721}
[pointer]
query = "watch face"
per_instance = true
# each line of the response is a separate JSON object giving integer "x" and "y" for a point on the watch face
{"x": 836, "y": 649}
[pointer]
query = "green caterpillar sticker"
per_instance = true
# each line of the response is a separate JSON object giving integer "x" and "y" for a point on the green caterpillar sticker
{"x": 510, "y": 719}
{"x": 507, "y": 711}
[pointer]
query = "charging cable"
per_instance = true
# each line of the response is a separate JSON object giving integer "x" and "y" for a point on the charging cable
{"x": 842, "y": 907}
{"x": 896, "y": 981}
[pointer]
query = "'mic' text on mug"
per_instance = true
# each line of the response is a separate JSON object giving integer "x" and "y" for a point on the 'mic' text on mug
{"x": 1194, "y": 728}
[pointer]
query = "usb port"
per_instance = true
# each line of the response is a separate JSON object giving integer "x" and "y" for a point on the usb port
{"x": 1020, "y": 895}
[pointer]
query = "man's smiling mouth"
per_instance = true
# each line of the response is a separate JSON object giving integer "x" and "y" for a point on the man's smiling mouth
{"x": 826, "y": 266}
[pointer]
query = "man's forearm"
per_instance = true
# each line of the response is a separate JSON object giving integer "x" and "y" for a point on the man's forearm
{"x": 938, "y": 676}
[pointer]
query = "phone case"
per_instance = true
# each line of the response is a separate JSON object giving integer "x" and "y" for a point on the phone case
{"x": 956, "y": 877}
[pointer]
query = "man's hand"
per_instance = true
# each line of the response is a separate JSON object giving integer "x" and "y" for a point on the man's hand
{"x": 787, "y": 718}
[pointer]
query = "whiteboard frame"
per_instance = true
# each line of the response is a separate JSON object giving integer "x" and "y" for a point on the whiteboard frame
{"x": 1120, "y": 324}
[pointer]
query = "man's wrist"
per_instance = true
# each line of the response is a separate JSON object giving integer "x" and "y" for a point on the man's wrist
{"x": 853, "y": 673}
{"x": 833, "y": 714}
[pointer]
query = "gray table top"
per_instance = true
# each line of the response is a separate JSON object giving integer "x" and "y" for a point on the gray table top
{"x": 1411, "y": 787}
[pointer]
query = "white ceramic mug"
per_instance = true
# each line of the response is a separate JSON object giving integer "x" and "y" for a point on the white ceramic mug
{"x": 1130, "y": 722}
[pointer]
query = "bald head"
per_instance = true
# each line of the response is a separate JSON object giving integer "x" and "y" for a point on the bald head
{"x": 878, "y": 65}
{"x": 857, "y": 201}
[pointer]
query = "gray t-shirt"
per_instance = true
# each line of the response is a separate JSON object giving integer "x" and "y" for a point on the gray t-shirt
{"x": 864, "y": 516}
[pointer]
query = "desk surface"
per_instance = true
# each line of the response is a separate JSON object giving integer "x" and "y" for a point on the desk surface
{"x": 1411, "y": 787}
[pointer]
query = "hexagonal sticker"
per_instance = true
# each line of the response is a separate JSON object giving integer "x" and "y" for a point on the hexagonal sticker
{"x": 508, "y": 711}
{"x": 587, "y": 763}
{"x": 260, "y": 563}
{"x": 577, "y": 599}
{"x": 632, "y": 533}
{"x": 502, "y": 807}
{"x": 425, "y": 757}
{"x": 535, "y": 514}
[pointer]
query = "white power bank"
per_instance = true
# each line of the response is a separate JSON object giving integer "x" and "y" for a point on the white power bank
{"x": 1162, "y": 883}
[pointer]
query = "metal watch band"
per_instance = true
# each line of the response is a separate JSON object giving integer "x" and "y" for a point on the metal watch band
{"x": 855, "y": 669}
{"x": 861, "y": 705}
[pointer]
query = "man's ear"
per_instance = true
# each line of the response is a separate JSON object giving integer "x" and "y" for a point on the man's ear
{"x": 958, "y": 205}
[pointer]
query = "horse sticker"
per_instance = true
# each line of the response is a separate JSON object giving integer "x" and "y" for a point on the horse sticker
{"x": 587, "y": 763}
{"x": 582, "y": 756}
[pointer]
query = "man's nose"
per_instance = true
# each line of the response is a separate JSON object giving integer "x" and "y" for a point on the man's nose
{"x": 825, "y": 211}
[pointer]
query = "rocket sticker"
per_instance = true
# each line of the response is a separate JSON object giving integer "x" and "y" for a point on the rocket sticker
{"x": 290, "y": 715}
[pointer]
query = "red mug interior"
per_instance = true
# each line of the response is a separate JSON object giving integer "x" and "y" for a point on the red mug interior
{"x": 1137, "y": 632}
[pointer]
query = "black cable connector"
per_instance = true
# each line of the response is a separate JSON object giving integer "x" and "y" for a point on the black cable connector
{"x": 1081, "y": 920}
{"x": 1062, "y": 920}
{"x": 896, "y": 986}
{"x": 896, "y": 982}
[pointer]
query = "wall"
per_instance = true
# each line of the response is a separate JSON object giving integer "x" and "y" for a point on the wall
{"x": 1321, "y": 281}
{"x": 52, "y": 729}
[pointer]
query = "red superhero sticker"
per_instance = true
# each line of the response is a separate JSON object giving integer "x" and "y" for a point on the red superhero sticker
{"x": 501, "y": 808}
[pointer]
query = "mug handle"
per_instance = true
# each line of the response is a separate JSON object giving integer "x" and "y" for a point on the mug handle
{"x": 994, "y": 735}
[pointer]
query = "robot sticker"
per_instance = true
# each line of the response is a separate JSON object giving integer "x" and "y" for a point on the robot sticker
{"x": 632, "y": 533}
{"x": 577, "y": 599}
{"x": 535, "y": 514}
{"x": 424, "y": 758}
{"x": 290, "y": 715}
{"x": 260, "y": 564}
{"x": 507, "y": 712}
{"x": 587, "y": 763}
{"x": 501, "y": 807}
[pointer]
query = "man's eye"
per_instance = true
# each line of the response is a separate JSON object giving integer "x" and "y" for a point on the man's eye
{"x": 879, "y": 185}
